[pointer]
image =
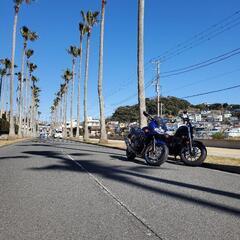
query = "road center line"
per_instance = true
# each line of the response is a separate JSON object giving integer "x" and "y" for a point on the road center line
{"x": 119, "y": 202}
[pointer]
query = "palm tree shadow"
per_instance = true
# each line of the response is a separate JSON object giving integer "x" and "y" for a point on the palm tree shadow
{"x": 124, "y": 159}
{"x": 123, "y": 175}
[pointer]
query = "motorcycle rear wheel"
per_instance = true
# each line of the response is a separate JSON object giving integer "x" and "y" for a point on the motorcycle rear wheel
{"x": 158, "y": 157}
{"x": 198, "y": 156}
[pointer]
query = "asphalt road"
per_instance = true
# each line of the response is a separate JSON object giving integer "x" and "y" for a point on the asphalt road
{"x": 66, "y": 190}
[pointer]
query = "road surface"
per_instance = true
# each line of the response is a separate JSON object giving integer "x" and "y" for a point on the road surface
{"x": 67, "y": 190}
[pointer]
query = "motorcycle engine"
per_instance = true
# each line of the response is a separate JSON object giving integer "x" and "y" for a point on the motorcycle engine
{"x": 137, "y": 142}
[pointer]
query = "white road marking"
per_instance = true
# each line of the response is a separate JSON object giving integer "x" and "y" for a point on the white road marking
{"x": 149, "y": 232}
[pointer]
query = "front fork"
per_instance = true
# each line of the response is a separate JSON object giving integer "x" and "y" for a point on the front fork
{"x": 154, "y": 144}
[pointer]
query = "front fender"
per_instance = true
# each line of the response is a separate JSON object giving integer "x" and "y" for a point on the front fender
{"x": 200, "y": 144}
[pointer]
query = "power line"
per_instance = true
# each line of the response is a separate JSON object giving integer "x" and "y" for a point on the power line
{"x": 211, "y": 32}
{"x": 204, "y": 80}
{"x": 214, "y": 91}
{"x": 222, "y": 26}
{"x": 205, "y": 63}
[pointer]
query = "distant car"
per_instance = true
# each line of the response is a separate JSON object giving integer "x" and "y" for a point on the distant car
{"x": 234, "y": 132}
{"x": 213, "y": 131}
{"x": 43, "y": 135}
{"x": 58, "y": 134}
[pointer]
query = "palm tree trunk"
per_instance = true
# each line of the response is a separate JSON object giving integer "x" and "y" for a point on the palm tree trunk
{"x": 72, "y": 97}
{"x": 65, "y": 114}
{"x": 61, "y": 113}
{"x": 79, "y": 87}
{"x": 32, "y": 113}
{"x": 86, "y": 135}
{"x": 103, "y": 136}
{"x": 2, "y": 96}
{"x": 25, "y": 103}
{"x": 140, "y": 64}
{"x": 12, "y": 129}
{"x": 28, "y": 94}
{"x": 20, "y": 133}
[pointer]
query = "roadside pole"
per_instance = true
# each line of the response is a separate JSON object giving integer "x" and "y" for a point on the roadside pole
{"x": 157, "y": 87}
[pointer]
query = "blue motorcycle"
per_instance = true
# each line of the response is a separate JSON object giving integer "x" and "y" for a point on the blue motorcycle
{"x": 147, "y": 142}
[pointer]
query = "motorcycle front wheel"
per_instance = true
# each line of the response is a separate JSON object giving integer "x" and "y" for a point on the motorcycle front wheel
{"x": 197, "y": 157}
{"x": 157, "y": 157}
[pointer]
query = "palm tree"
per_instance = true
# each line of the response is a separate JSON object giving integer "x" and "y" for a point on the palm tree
{"x": 29, "y": 53}
{"x": 90, "y": 19}
{"x": 103, "y": 135}
{"x": 74, "y": 52}
{"x": 17, "y": 4}
{"x": 31, "y": 68}
{"x": 67, "y": 76}
{"x": 32, "y": 36}
{"x": 82, "y": 30}
{"x": 6, "y": 63}
{"x": 35, "y": 91}
{"x": 3, "y": 73}
{"x": 140, "y": 64}
{"x": 19, "y": 77}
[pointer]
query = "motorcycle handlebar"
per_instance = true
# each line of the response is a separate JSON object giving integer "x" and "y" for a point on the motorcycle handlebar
{"x": 147, "y": 115}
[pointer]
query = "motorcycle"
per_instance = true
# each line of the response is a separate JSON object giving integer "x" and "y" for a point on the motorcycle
{"x": 182, "y": 143}
{"x": 147, "y": 142}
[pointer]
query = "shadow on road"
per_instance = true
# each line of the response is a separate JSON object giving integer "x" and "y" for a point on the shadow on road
{"x": 131, "y": 177}
{"x": 14, "y": 157}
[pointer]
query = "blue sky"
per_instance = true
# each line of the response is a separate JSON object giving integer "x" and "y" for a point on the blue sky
{"x": 167, "y": 23}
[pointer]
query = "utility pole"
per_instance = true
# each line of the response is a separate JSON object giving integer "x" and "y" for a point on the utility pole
{"x": 157, "y": 87}
{"x": 161, "y": 109}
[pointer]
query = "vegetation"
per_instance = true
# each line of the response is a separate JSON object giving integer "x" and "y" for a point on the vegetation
{"x": 172, "y": 105}
{"x": 218, "y": 135}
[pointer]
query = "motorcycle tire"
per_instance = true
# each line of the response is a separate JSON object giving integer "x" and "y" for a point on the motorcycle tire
{"x": 159, "y": 158}
{"x": 194, "y": 160}
{"x": 130, "y": 155}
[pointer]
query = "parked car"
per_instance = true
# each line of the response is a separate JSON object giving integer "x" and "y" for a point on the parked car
{"x": 58, "y": 134}
{"x": 234, "y": 132}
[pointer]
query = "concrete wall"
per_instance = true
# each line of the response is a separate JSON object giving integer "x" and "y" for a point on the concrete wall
{"x": 233, "y": 144}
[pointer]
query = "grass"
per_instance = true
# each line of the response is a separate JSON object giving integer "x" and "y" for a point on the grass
{"x": 223, "y": 160}
{"x": 7, "y": 142}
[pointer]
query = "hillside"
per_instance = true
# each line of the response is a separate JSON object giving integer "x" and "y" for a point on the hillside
{"x": 171, "y": 107}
